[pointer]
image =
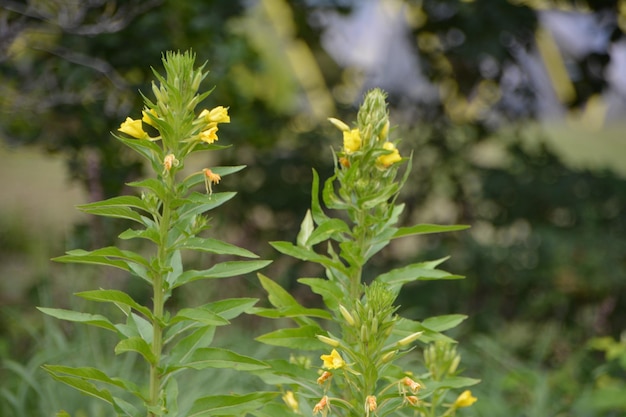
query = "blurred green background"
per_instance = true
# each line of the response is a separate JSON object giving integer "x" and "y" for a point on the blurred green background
{"x": 514, "y": 111}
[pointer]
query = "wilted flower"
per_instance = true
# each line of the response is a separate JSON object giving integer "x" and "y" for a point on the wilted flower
{"x": 412, "y": 399}
{"x": 333, "y": 361}
{"x": 210, "y": 178}
{"x": 413, "y": 386}
{"x": 168, "y": 162}
{"x": 322, "y": 406}
{"x": 324, "y": 377}
{"x": 370, "y": 404}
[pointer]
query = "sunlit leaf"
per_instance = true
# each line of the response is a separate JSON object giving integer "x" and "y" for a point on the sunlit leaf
{"x": 229, "y": 405}
{"x": 75, "y": 316}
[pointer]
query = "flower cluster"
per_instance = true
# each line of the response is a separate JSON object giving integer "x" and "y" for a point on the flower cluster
{"x": 178, "y": 128}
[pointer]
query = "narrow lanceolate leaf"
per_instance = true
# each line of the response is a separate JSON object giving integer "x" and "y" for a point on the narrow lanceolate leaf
{"x": 75, "y": 316}
{"x": 199, "y": 315}
{"x": 110, "y": 256}
{"x": 138, "y": 345}
{"x": 422, "y": 271}
{"x": 222, "y": 358}
{"x": 231, "y": 307}
{"x": 443, "y": 323}
{"x": 182, "y": 351}
{"x": 277, "y": 295}
{"x": 306, "y": 228}
{"x": 405, "y": 327}
{"x": 200, "y": 203}
{"x": 293, "y": 312}
{"x": 116, "y": 297}
{"x": 332, "y": 228}
{"x": 329, "y": 290}
{"x": 295, "y": 338}
{"x": 304, "y": 254}
{"x": 220, "y": 270}
{"x": 216, "y": 246}
{"x": 316, "y": 210}
{"x": 94, "y": 374}
{"x": 116, "y": 207}
{"x": 85, "y": 387}
{"x": 422, "y": 229}
{"x": 230, "y": 405}
{"x": 152, "y": 184}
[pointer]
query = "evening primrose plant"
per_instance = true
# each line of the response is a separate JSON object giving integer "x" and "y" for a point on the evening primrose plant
{"x": 169, "y": 215}
{"x": 369, "y": 363}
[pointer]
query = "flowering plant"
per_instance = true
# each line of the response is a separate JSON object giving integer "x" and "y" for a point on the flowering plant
{"x": 367, "y": 365}
{"x": 169, "y": 215}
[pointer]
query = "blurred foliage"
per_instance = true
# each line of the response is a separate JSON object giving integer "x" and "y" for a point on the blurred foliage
{"x": 547, "y": 243}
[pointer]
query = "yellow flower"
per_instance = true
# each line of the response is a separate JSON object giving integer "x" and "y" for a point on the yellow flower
{"x": 333, "y": 361}
{"x": 351, "y": 141}
{"x": 147, "y": 119}
{"x": 209, "y": 135}
{"x": 216, "y": 115}
{"x": 291, "y": 401}
{"x": 133, "y": 128}
{"x": 390, "y": 158}
{"x": 465, "y": 399}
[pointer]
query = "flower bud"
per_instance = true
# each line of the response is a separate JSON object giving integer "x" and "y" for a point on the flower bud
{"x": 328, "y": 340}
{"x": 409, "y": 339}
{"x": 346, "y": 315}
{"x": 388, "y": 356}
{"x": 339, "y": 124}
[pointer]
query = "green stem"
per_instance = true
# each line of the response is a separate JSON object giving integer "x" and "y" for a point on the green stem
{"x": 158, "y": 301}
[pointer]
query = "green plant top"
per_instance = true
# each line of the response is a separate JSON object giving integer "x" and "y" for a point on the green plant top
{"x": 365, "y": 373}
{"x": 169, "y": 215}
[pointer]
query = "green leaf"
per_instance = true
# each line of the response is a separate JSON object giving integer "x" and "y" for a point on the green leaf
{"x": 331, "y": 200}
{"x": 293, "y": 312}
{"x": 332, "y": 228}
{"x": 422, "y": 229}
{"x": 138, "y": 345}
{"x": 277, "y": 295}
{"x": 231, "y": 307}
{"x": 200, "y": 203}
{"x": 150, "y": 233}
{"x": 199, "y": 315}
{"x": 119, "y": 212}
{"x": 443, "y": 323}
{"x": 75, "y": 316}
{"x": 216, "y": 246}
{"x": 120, "y": 201}
{"x": 295, "y": 338}
{"x": 222, "y": 358}
{"x": 306, "y": 228}
{"x": 116, "y": 297}
{"x": 304, "y": 254}
{"x": 152, "y": 184}
{"x": 330, "y": 292}
{"x": 185, "y": 347}
{"x": 318, "y": 214}
{"x": 109, "y": 256}
{"x": 85, "y": 387}
{"x": 220, "y": 270}
{"x": 453, "y": 382}
{"x": 405, "y": 327}
{"x": 422, "y": 271}
{"x": 94, "y": 375}
{"x": 229, "y": 405}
